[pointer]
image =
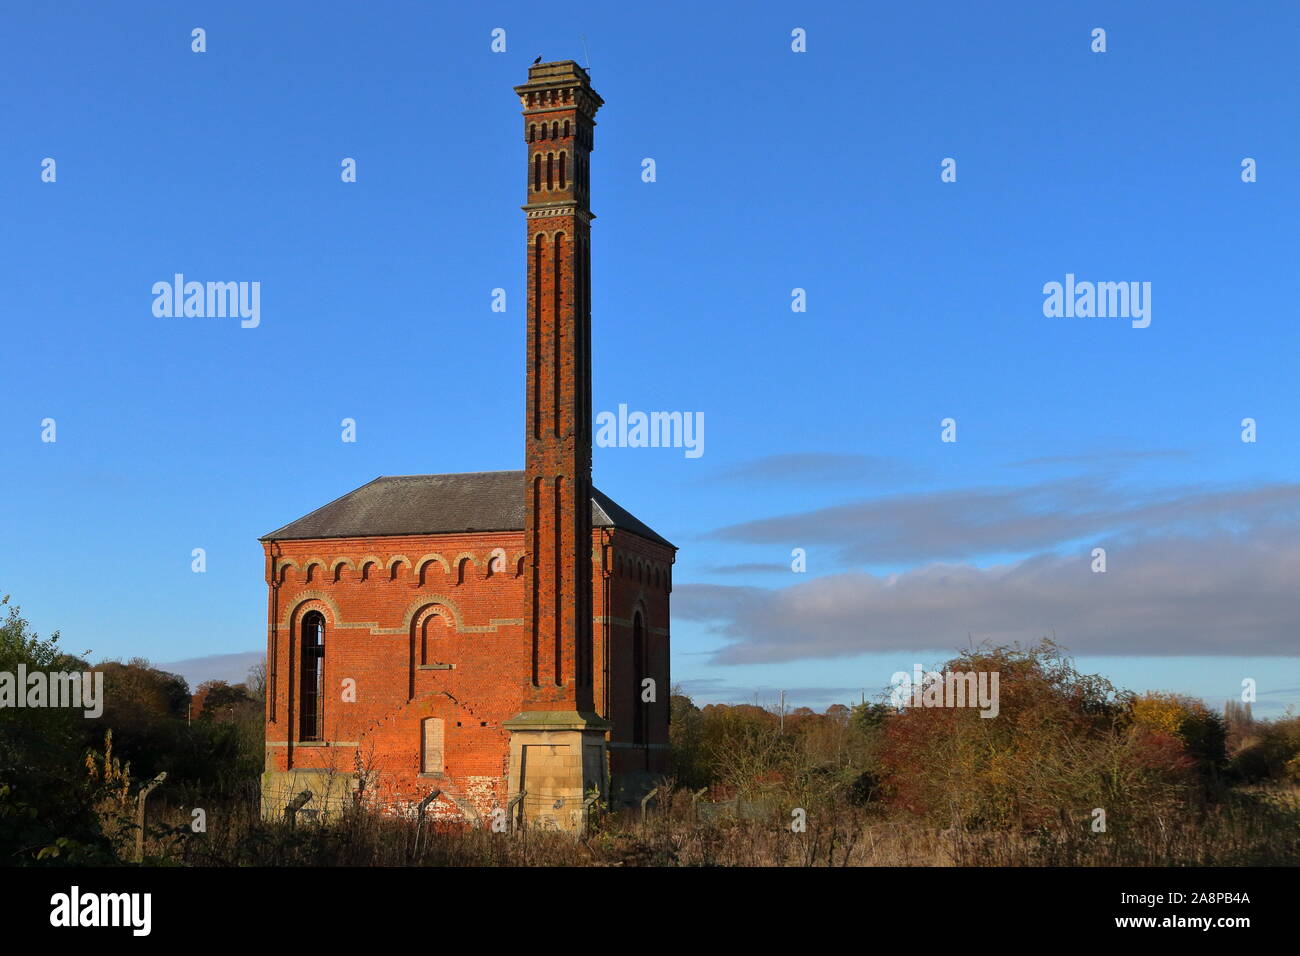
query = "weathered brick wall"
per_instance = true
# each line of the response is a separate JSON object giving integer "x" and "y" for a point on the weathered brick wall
{"x": 641, "y": 582}
{"x": 381, "y": 598}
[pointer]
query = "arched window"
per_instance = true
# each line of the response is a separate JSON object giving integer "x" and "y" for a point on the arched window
{"x": 537, "y": 171}
{"x": 311, "y": 718}
{"x": 638, "y": 674}
{"x": 431, "y": 745}
{"x": 566, "y": 129}
{"x": 564, "y": 179}
{"x": 550, "y": 162}
{"x": 532, "y": 132}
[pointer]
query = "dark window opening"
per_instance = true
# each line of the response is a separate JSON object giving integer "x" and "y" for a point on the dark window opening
{"x": 311, "y": 708}
{"x": 639, "y": 674}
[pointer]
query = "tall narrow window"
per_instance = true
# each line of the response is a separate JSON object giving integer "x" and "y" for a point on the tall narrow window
{"x": 638, "y": 674}
{"x": 564, "y": 181}
{"x": 431, "y": 745}
{"x": 311, "y": 708}
{"x": 537, "y": 171}
{"x": 550, "y": 162}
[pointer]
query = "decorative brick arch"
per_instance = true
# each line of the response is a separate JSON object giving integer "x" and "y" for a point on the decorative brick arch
{"x": 432, "y": 609}
{"x": 281, "y": 571}
{"x": 459, "y": 565}
{"x": 369, "y": 559}
{"x": 392, "y": 566}
{"x": 427, "y": 601}
{"x": 420, "y": 620}
{"x": 427, "y": 560}
{"x": 639, "y": 604}
{"x": 311, "y": 601}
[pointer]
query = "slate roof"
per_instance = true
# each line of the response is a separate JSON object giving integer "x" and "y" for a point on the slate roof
{"x": 441, "y": 504}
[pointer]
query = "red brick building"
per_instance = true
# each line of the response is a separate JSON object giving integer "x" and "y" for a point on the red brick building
{"x": 501, "y": 637}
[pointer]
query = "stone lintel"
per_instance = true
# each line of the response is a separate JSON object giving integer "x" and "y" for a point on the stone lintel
{"x": 541, "y": 720}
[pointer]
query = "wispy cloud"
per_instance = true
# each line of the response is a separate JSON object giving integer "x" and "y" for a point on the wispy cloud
{"x": 752, "y": 568}
{"x": 969, "y": 522}
{"x": 1100, "y": 458}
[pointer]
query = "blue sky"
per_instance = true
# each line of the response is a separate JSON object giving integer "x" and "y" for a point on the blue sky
{"x": 775, "y": 170}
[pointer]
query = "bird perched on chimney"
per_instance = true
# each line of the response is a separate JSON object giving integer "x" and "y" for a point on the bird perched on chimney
{"x": 536, "y": 61}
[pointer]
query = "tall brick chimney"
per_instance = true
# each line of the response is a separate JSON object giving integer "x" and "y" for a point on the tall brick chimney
{"x": 558, "y": 743}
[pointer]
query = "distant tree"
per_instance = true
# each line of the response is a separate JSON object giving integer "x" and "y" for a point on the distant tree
{"x": 146, "y": 708}
{"x": 685, "y": 739}
{"x": 1270, "y": 752}
{"x": 868, "y": 716}
{"x": 256, "y": 681}
{"x": 217, "y": 700}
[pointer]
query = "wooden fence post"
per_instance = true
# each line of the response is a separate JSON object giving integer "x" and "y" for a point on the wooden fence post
{"x": 419, "y": 820}
{"x": 139, "y": 814}
{"x": 296, "y": 804}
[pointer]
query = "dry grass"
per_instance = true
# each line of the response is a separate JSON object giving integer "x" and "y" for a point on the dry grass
{"x": 1257, "y": 828}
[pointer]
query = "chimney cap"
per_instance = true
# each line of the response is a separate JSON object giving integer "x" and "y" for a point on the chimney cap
{"x": 557, "y": 70}
{"x": 558, "y": 75}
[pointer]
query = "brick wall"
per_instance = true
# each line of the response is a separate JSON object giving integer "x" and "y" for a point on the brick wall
{"x": 434, "y": 627}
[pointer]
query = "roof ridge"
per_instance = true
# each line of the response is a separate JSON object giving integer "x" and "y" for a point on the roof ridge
{"x": 456, "y": 474}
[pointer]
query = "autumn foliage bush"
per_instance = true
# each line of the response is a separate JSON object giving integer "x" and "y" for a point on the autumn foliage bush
{"x": 1062, "y": 745}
